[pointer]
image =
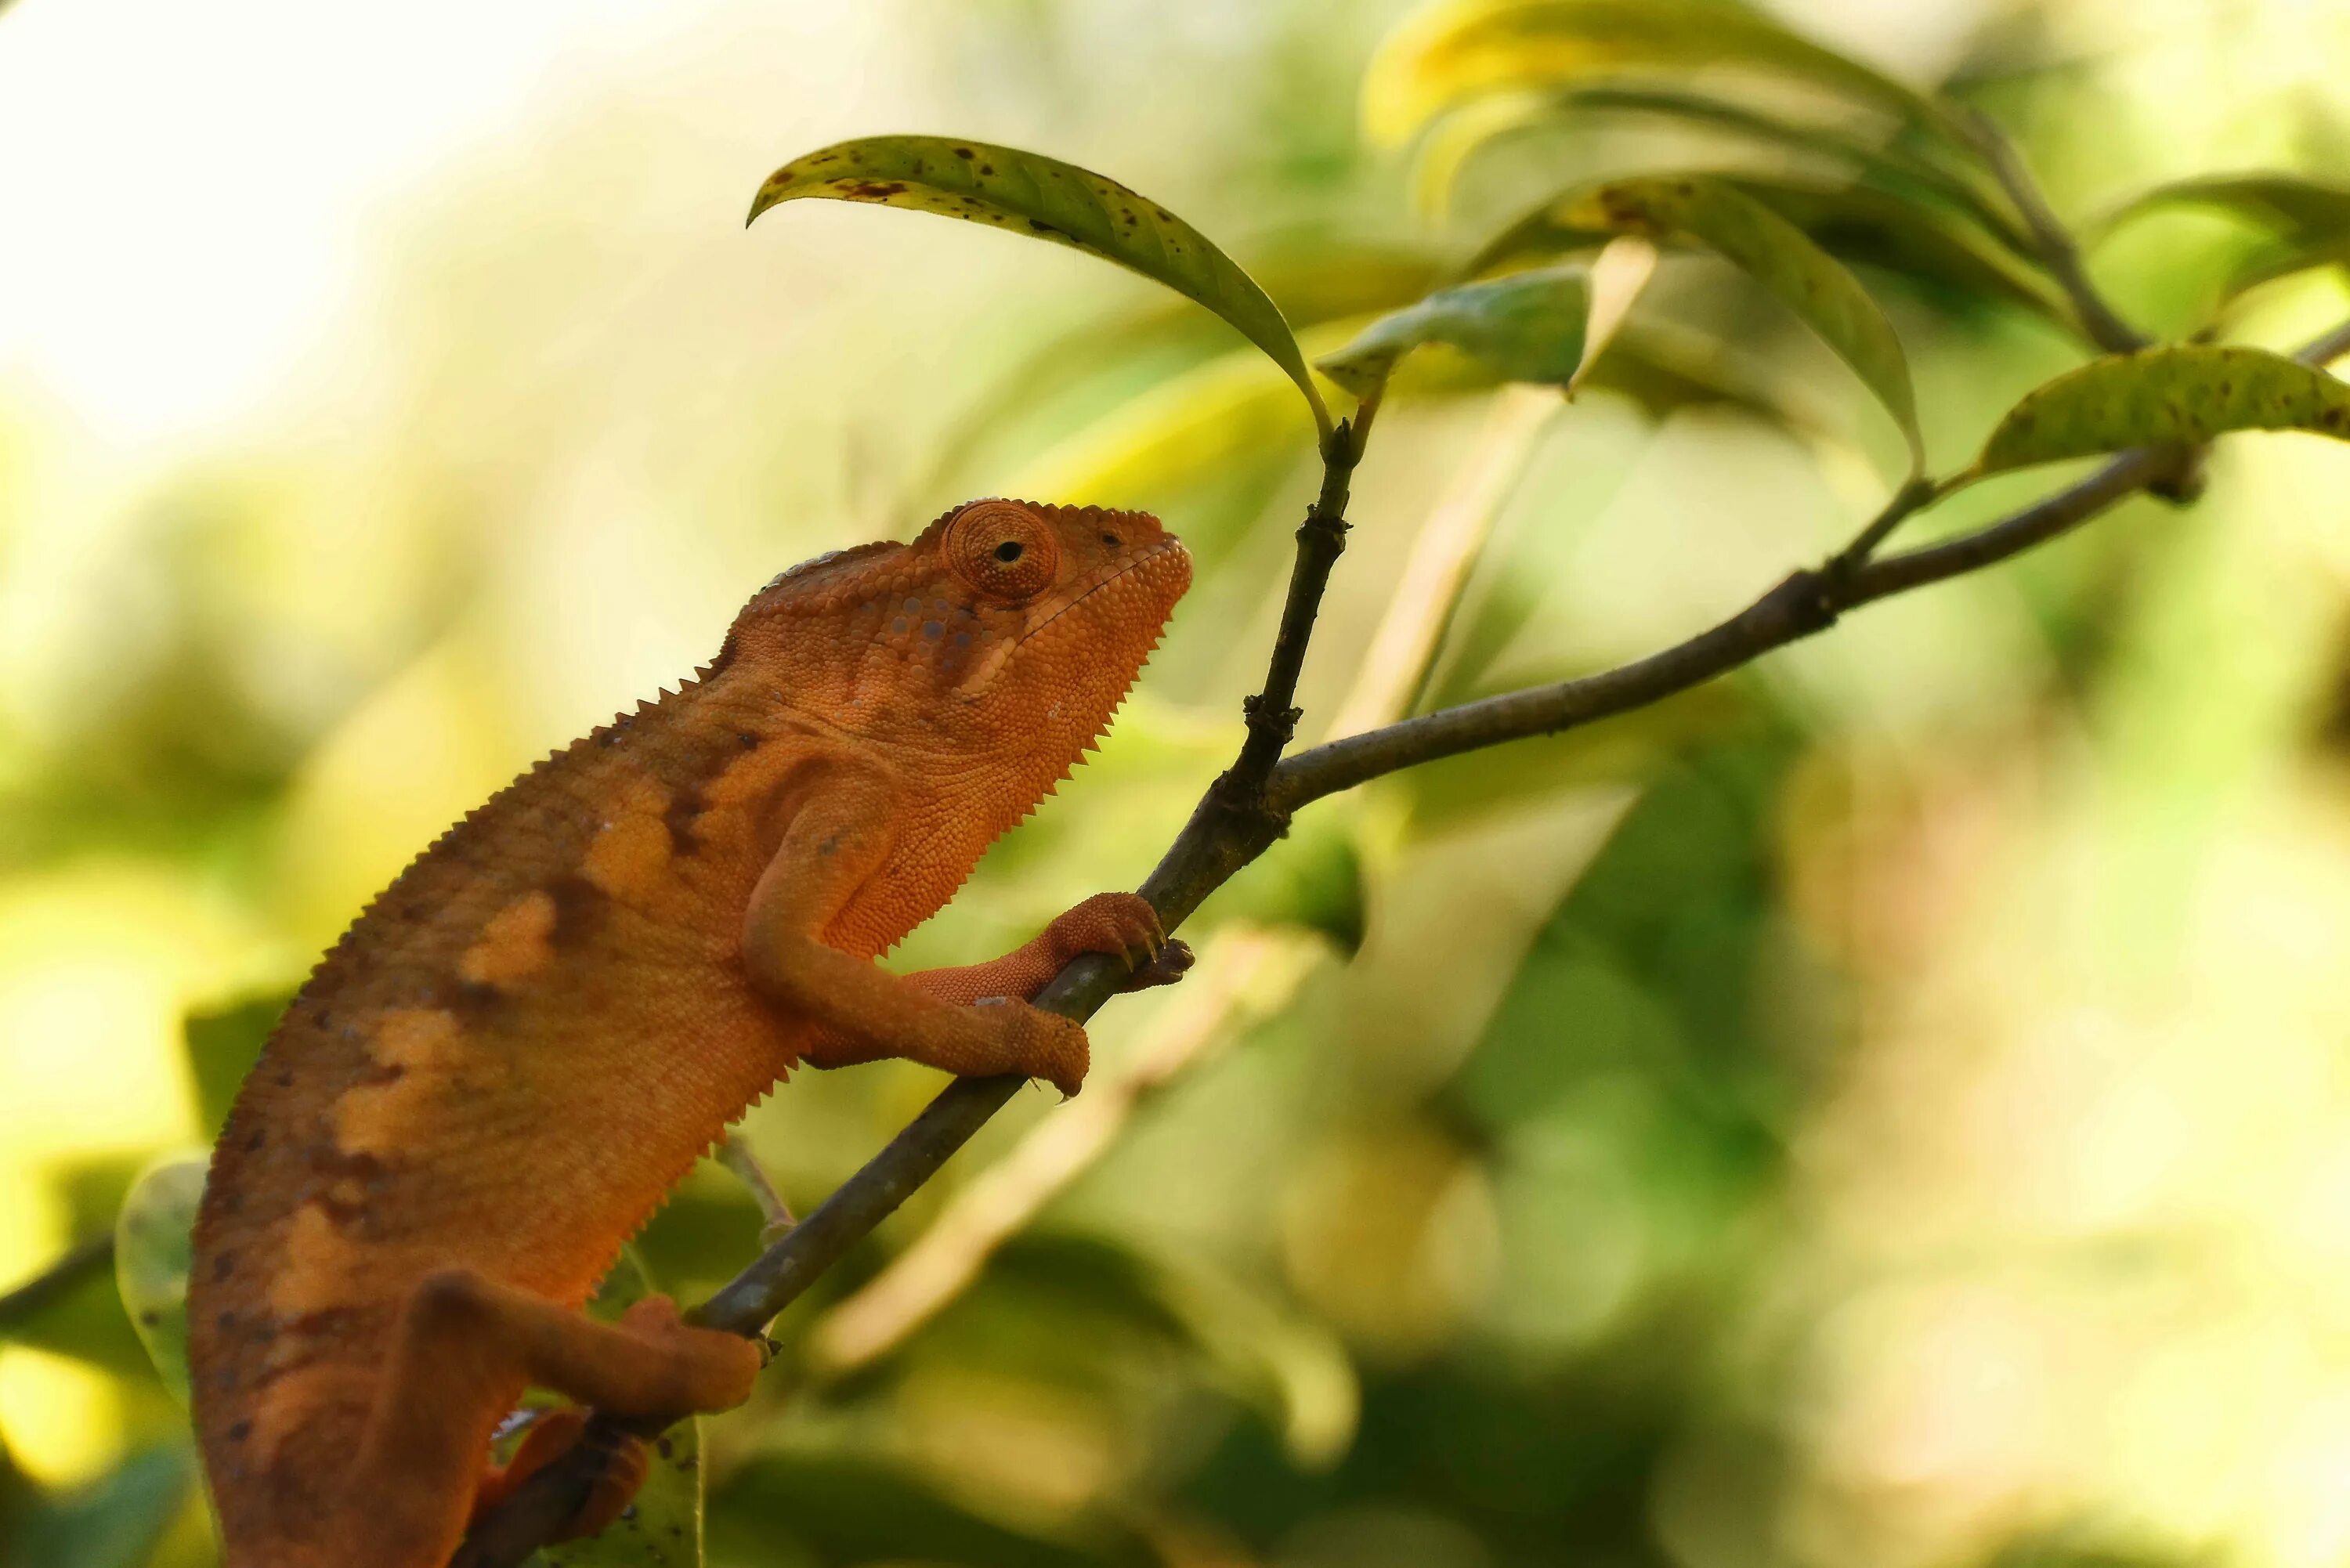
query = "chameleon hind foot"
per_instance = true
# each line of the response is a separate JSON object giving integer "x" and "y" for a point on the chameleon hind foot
{"x": 552, "y": 1434}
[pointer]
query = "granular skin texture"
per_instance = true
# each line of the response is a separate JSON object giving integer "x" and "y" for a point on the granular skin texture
{"x": 521, "y": 1044}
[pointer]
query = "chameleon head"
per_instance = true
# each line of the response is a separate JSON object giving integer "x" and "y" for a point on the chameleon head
{"x": 1004, "y": 627}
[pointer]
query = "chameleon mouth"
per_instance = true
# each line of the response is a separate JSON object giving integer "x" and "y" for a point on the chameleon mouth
{"x": 1112, "y": 575}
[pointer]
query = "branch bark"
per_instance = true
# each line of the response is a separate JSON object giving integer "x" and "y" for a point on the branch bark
{"x": 1246, "y": 810}
{"x": 59, "y": 1280}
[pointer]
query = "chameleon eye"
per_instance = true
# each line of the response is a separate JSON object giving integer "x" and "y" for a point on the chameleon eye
{"x": 1003, "y": 549}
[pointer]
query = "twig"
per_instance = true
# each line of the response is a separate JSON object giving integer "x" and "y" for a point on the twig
{"x": 60, "y": 1278}
{"x": 1228, "y": 982}
{"x": 1242, "y": 975}
{"x": 1805, "y": 602}
{"x": 1321, "y": 539}
{"x": 1231, "y": 827}
{"x": 2049, "y": 236}
{"x": 776, "y": 1215}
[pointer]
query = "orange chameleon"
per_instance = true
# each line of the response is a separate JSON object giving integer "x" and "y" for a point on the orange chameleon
{"x": 497, "y": 1073}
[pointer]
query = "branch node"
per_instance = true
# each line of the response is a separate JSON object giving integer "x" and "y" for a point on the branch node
{"x": 2183, "y": 484}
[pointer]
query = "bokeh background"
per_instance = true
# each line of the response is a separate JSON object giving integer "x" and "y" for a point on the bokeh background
{"x": 1886, "y": 1109}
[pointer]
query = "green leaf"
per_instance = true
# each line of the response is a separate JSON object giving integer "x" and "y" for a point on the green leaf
{"x": 2307, "y": 221}
{"x": 2292, "y": 206}
{"x": 1863, "y": 225}
{"x": 1857, "y": 224}
{"x": 2187, "y": 393}
{"x": 662, "y": 1528}
{"x": 1044, "y": 198}
{"x": 153, "y": 1237}
{"x": 1847, "y": 146}
{"x": 1313, "y": 878}
{"x": 221, "y": 1044}
{"x": 1529, "y": 327}
{"x": 116, "y": 1523}
{"x": 1776, "y": 254}
{"x": 1461, "y": 49}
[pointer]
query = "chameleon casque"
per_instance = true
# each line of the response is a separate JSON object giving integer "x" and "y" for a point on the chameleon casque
{"x": 496, "y": 1075}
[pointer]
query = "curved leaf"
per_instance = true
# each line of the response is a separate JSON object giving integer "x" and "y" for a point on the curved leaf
{"x": 1044, "y": 198}
{"x": 153, "y": 1239}
{"x": 1313, "y": 285}
{"x": 1850, "y": 146}
{"x": 1855, "y": 223}
{"x": 2185, "y": 393}
{"x": 1458, "y": 49}
{"x": 2292, "y": 206}
{"x": 1776, "y": 254}
{"x": 1529, "y": 327}
{"x": 2307, "y": 221}
{"x": 1622, "y": 269}
{"x": 1871, "y": 227}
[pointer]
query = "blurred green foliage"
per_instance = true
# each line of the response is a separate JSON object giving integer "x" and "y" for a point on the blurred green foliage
{"x": 1884, "y": 1108}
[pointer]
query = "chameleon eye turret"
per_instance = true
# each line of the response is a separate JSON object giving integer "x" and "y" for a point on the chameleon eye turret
{"x": 1003, "y": 549}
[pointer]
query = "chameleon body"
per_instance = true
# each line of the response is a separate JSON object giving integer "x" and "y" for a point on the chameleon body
{"x": 523, "y": 1044}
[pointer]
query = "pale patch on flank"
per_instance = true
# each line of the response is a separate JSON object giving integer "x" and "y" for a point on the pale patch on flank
{"x": 323, "y": 1269}
{"x": 513, "y": 945}
{"x": 427, "y": 1045}
{"x": 628, "y": 857}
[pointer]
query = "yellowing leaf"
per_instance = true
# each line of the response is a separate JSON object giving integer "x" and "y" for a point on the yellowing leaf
{"x": 2186, "y": 394}
{"x": 1460, "y": 50}
{"x": 1529, "y": 327}
{"x": 1047, "y": 199}
{"x": 1851, "y": 144}
{"x": 1617, "y": 277}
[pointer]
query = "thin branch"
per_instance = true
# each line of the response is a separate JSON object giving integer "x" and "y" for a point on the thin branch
{"x": 1242, "y": 974}
{"x": 1230, "y": 828}
{"x": 949, "y": 1255}
{"x": 1321, "y": 539}
{"x": 1232, "y": 824}
{"x": 77, "y": 1263}
{"x": 1906, "y": 501}
{"x": 2054, "y": 242}
{"x": 1805, "y": 602}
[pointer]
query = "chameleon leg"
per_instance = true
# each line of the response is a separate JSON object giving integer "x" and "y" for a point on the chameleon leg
{"x": 836, "y": 841}
{"x": 1119, "y": 924}
{"x": 464, "y": 1345}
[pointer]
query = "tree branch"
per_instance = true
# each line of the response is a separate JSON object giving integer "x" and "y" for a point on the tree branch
{"x": 1230, "y": 828}
{"x": 1805, "y": 602}
{"x": 60, "y": 1278}
{"x": 1237, "y": 820}
{"x": 2058, "y": 253}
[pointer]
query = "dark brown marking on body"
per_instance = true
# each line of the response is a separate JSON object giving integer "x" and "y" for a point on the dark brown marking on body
{"x": 679, "y": 818}
{"x": 580, "y": 910}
